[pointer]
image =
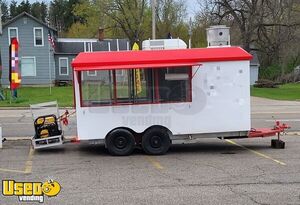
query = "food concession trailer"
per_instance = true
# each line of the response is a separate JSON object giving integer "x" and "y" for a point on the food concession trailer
{"x": 152, "y": 98}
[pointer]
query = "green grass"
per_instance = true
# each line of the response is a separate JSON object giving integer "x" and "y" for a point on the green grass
{"x": 33, "y": 95}
{"x": 284, "y": 92}
{"x": 64, "y": 95}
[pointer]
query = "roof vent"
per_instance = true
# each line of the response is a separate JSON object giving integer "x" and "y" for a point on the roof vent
{"x": 218, "y": 36}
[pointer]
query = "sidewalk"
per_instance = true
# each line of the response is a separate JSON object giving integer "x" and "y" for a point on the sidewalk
{"x": 263, "y": 105}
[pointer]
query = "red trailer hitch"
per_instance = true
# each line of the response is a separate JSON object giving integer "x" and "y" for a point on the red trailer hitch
{"x": 278, "y": 129}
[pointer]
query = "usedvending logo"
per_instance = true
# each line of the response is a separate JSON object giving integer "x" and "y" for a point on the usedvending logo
{"x": 30, "y": 191}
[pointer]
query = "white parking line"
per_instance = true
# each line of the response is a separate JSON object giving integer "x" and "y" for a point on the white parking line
{"x": 274, "y": 112}
{"x": 284, "y": 120}
{"x": 17, "y": 123}
{"x": 256, "y": 152}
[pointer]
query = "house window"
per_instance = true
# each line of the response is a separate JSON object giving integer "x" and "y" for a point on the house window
{"x": 88, "y": 47}
{"x": 28, "y": 66}
{"x": 92, "y": 73}
{"x": 38, "y": 37}
{"x": 12, "y": 33}
{"x": 63, "y": 66}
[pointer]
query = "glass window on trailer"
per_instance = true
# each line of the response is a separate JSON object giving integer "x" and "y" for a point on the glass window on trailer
{"x": 136, "y": 86}
{"x": 174, "y": 84}
{"x": 96, "y": 90}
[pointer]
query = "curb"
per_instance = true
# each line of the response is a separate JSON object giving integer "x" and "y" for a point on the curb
{"x": 293, "y": 133}
{"x": 28, "y": 108}
{"x": 29, "y": 138}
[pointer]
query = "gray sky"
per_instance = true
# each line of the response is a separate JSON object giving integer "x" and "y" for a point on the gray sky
{"x": 192, "y": 5}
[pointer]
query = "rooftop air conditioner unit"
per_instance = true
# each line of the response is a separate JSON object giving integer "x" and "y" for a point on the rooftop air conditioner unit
{"x": 163, "y": 44}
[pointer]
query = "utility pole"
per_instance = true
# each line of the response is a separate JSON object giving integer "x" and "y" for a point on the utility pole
{"x": 1, "y": 93}
{"x": 190, "y": 33}
{"x": 153, "y": 2}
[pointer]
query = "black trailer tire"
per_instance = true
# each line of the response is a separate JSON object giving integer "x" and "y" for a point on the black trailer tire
{"x": 156, "y": 141}
{"x": 120, "y": 142}
{"x": 277, "y": 144}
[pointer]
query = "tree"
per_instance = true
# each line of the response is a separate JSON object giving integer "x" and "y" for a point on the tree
{"x": 243, "y": 13}
{"x": 129, "y": 18}
{"x": 39, "y": 10}
{"x": 171, "y": 15}
{"x": 4, "y": 9}
{"x": 57, "y": 14}
{"x": 44, "y": 11}
{"x": 13, "y": 9}
{"x": 88, "y": 14}
{"x": 269, "y": 26}
{"x": 70, "y": 18}
{"x": 61, "y": 14}
{"x": 119, "y": 18}
{"x": 202, "y": 20}
{"x": 36, "y": 10}
{"x": 276, "y": 30}
{"x": 24, "y": 6}
{"x": 128, "y": 15}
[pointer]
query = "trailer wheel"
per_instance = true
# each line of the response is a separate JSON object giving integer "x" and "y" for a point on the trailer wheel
{"x": 156, "y": 141}
{"x": 120, "y": 142}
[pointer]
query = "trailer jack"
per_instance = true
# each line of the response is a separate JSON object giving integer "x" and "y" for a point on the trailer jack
{"x": 278, "y": 129}
{"x": 278, "y": 143}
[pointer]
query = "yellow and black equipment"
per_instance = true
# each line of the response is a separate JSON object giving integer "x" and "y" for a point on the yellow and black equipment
{"x": 46, "y": 126}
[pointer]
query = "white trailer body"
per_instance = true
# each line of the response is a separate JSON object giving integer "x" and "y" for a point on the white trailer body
{"x": 220, "y": 94}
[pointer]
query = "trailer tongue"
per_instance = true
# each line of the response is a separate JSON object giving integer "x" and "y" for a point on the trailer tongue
{"x": 278, "y": 129}
{"x": 268, "y": 132}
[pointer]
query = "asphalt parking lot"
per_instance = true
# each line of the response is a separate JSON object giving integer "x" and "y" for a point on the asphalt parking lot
{"x": 210, "y": 172}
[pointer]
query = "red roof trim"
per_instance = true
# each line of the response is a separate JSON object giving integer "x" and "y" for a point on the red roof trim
{"x": 156, "y": 58}
{"x": 130, "y": 66}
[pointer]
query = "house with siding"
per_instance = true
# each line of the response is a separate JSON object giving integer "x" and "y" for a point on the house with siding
{"x": 35, "y": 57}
{"x": 40, "y": 63}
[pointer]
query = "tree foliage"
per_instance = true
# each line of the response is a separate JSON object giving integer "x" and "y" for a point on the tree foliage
{"x": 271, "y": 27}
{"x": 13, "y": 9}
{"x": 36, "y": 9}
{"x": 24, "y": 6}
{"x": 5, "y": 11}
{"x": 39, "y": 10}
{"x": 89, "y": 19}
{"x": 128, "y": 16}
{"x": 61, "y": 14}
{"x": 129, "y": 19}
{"x": 171, "y": 18}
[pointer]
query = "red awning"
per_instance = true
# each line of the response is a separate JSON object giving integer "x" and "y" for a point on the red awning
{"x": 156, "y": 58}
